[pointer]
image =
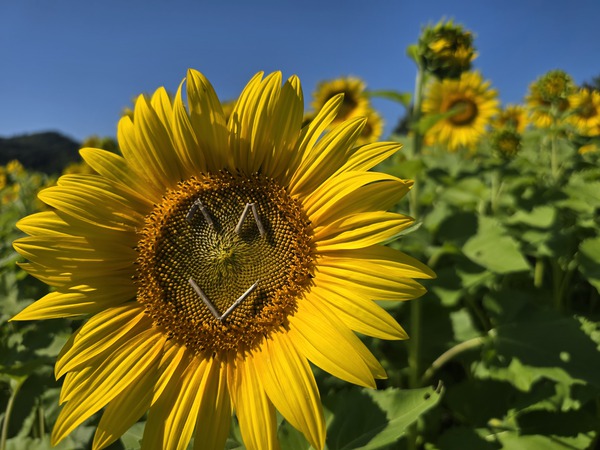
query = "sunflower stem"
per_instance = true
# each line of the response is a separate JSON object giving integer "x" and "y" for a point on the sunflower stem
{"x": 417, "y": 141}
{"x": 538, "y": 274}
{"x": 9, "y": 408}
{"x": 450, "y": 354}
{"x": 554, "y": 157}
{"x": 414, "y": 349}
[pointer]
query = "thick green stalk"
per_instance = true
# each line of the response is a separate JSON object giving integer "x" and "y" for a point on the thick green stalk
{"x": 417, "y": 138}
{"x": 414, "y": 348}
{"x": 9, "y": 408}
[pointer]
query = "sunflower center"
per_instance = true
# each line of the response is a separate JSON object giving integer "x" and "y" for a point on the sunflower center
{"x": 588, "y": 110}
{"x": 466, "y": 111}
{"x": 348, "y": 106}
{"x": 223, "y": 260}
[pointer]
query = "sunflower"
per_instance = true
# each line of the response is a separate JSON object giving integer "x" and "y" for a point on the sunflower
{"x": 585, "y": 116}
{"x": 373, "y": 128}
{"x": 215, "y": 259}
{"x": 465, "y": 107}
{"x": 355, "y": 102}
{"x": 446, "y": 50}
{"x": 548, "y": 98}
{"x": 506, "y": 142}
{"x": 511, "y": 116}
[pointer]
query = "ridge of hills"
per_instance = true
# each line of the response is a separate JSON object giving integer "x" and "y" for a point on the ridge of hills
{"x": 49, "y": 151}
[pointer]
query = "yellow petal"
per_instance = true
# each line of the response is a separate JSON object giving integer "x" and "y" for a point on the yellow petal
{"x": 329, "y": 344}
{"x": 126, "y": 365}
{"x": 312, "y": 132}
{"x": 172, "y": 418}
{"x": 361, "y": 230}
{"x": 186, "y": 141}
{"x": 359, "y": 313}
{"x": 208, "y": 122}
{"x": 154, "y": 145}
{"x": 253, "y": 408}
{"x": 105, "y": 206}
{"x": 75, "y": 252}
{"x": 173, "y": 362}
{"x": 114, "y": 167}
{"x": 374, "y": 287}
{"x": 125, "y": 410}
{"x": 378, "y": 259}
{"x": 162, "y": 106}
{"x": 287, "y": 121}
{"x": 94, "y": 276}
{"x": 239, "y": 132}
{"x": 77, "y": 301}
{"x": 214, "y": 416}
{"x": 290, "y": 385}
{"x": 327, "y": 156}
{"x": 136, "y": 157}
{"x": 260, "y": 117}
{"x": 368, "y": 156}
{"x": 99, "y": 336}
{"x": 51, "y": 224}
{"x": 334, "y": 198}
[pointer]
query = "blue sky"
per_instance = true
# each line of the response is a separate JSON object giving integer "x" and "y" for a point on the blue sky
{"x": 73, "y": 65}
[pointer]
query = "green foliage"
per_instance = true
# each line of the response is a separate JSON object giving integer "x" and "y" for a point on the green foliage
{"x": 511, "y": 325}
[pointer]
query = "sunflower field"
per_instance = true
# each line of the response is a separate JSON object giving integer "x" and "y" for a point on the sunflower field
{"x": 502, "y": 351}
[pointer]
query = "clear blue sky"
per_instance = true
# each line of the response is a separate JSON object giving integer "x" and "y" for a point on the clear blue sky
{"x": 72, "y": 65}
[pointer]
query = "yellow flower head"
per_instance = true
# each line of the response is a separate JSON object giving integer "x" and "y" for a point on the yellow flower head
{"x": 588, "y": 148}
{"x": 215, "y": 259}
{"x": 548, "y": 98}
{"x": 511, "y": 116}
{"x": 506, "y": 142}
{"x": 373, "y": 128}
{"x": 555, "y": 86}
{"x": 15, "y": 168}
{"x": 585, "y": 112}
{"x": 446, "y": 50}
{"x": 355, "y": 103}
{"x": 466, "y": 106}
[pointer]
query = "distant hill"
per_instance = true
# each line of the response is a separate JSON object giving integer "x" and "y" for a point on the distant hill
{"x": 47, "y": 152}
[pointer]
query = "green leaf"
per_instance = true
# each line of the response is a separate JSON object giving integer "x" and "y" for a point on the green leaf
{"x": 549, "y": 340}
{"x": 412, "y": 51}
{"x": 290, "y": 438}
{"x": 368, "y": 419}
{"x": 515, "y": 441}
{"x": 589, "y": 261}
{"x": 465, "y": 193}
{"x": 403, "y": 98}
{"x": 538, "y": 217}
{"x": 495, "y": 250}
{"x": 133, "y": 437}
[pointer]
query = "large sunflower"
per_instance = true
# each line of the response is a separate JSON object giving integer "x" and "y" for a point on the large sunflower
{"x": 215, "y": 260}
{"x": 465, "y": 106}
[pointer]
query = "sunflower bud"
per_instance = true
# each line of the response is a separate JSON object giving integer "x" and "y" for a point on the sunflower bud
{"x": 446, "y": 50}
{"x": 555, "y": 86}
{"x": 506, "y": 142}
{"x": 548, "y": 98}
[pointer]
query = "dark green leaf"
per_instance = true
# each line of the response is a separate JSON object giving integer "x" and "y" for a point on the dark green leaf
{"x": 369, "y": 419}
